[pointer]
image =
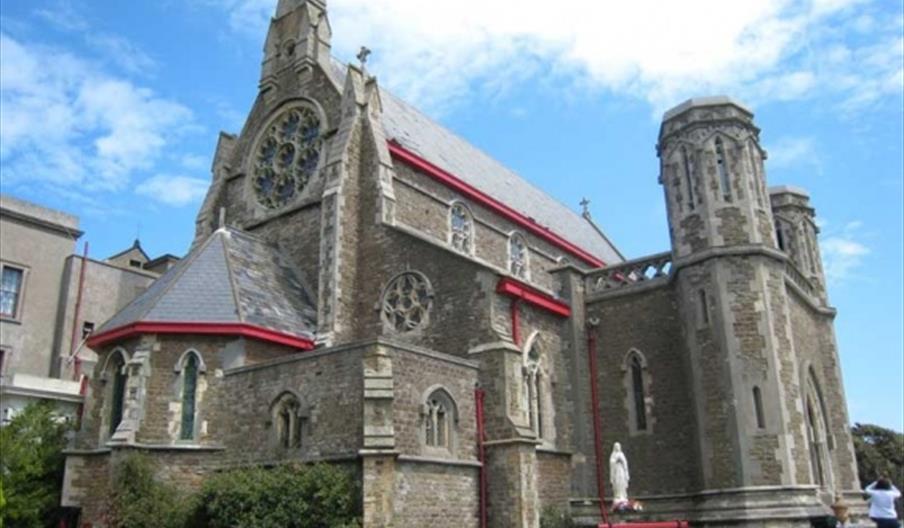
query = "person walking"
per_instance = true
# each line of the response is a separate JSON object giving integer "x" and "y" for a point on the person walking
{"x": 882, "y": 494}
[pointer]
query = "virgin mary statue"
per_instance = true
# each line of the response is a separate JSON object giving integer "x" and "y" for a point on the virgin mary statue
{"x": 618, "y": 475}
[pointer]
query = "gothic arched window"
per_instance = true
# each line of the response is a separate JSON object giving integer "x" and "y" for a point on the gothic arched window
{"x": 439, "y": 417}
{"x": 518, "y": 256}
{"x": 190, "y": 367}
{"x": 758, "y": 408}
{"x": 115, "y": 372}
{"x": 818, "y": 436}
{"x": 461, "y": 227}
{"x": 722, "y": 166}
{"x": 637, "y": 383}
{"x": 532, "y": 387}
{"x": 688, "y": 178}
{"x": 286, "y": 156}
{"x": 289, "y": 421}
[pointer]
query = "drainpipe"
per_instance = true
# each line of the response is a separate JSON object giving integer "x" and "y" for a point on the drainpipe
{"x": 78, "y": 306}
{"x": 481, "y": 453}
{"x": 597, "y": 418}
{"x": 516, "y": 321}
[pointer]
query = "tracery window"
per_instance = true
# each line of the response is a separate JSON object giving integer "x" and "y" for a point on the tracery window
{"x": 438, "y": 414}
{"x": 286, "y": 156}
{"x": 406, "y": 302}
{"x": 518, "y": 263}
{"x": 288, "y": 420}
{"x": 722, "y": 167}
{"x": 461, "y": 227}
{"x": 189, "y": 394}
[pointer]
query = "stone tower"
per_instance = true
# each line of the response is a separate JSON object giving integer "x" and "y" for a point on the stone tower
{"x": 742, "y": 300}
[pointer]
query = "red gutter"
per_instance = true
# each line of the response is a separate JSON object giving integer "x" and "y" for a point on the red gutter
{"x": 481, "y": 454}
{"x": 449, "y": 180}
{"x": 73, "y": 343}
{"x": 533, "y": 296}
{"x": 236, "y": 329}
{"x": 597, "y": 424}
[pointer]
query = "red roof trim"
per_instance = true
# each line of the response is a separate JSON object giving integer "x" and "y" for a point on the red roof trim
{"x": 530, "y": 295}
{"x": 449, "y": 180}
{"x": 236, "y": 329}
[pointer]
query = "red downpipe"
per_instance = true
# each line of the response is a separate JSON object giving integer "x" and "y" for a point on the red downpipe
{"x": 481, "y": 453}
{"x": 597, "y": 424}
{"x": 78, "y": 306}
{"x": 516, "y": 322}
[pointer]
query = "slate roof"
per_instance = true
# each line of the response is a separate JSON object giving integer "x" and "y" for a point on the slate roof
{"x": 418, "y": 133}
{"x": 233, "y": 277}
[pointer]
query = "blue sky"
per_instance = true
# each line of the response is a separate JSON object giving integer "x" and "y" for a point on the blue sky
{"x": 110, "y": 110}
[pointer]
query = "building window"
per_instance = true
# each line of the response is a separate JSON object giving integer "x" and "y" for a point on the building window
{"x": 11, "y": 291}
{"x": 518, "y": 259}
{"x": 779, "y": 235}
{"x": 640, "y": 408}
{"x": 758, "y": 408}
{"x": 136, "y": 263}
{"x": 818, "y": 436}
{"x": 721, "y": 165}
{"x": 286, "y": 156}
{"x": 438, "y": 415}
{"x": 289, "y": 421}
{"x": 703, "y": 307}
{"x": 755, "y": 173}
{"x": 189, "y": 394}
{"x": 406, "y": 302}
{"x": 118, "y": 390}
{"x": 532, "y": 384}
{"x": 461, "y": 228}
{"x": 688, "y": 178}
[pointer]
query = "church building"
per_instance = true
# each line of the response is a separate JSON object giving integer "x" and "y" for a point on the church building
{"x": 367, "y": 289}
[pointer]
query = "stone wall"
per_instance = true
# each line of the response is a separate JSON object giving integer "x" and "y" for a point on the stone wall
{"x": 435, "y": 495}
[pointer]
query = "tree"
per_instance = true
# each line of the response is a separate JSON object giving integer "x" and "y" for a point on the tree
{"x": 880, "y": 452}
{"x": 31, "y": 467}
{"x": 139, "y": 500}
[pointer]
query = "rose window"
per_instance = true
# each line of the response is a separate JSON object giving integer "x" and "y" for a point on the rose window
{"x": 406, "y": 302}
{"x": 286, "y": 157}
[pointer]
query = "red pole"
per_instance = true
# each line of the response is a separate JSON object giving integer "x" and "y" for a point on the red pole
{"x": 597, "y": 423}
{"x": 516, "y": 322}
{"x": 78, "y": 305}
{"x": 481, "y": 453}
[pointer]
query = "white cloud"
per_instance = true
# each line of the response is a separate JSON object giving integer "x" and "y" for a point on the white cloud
{"x": 123, "y": 53}
{"x": 195, "y": 162}
{"x": 436, "y": 53}
{"x": 63, "y": 15}
{"x": 173, "y": 190}
{"x": 790, "y": 151}
{"x": 843, "y": 252}
{"x": 66, "y": 122}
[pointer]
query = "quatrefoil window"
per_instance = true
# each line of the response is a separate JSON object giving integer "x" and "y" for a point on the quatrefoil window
{"x": 406, "y": 302}
{"x": 286, "y": 156}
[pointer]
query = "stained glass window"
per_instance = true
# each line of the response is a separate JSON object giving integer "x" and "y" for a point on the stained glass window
{"x": 118, "y": 392}
{"x": 406, "y": 302}
{"x": 640, "y": 407}
{"x": 286, "y": 157}
{"x": 10, "y": 291}
{"x": 518, "y": 256}
{"x": 462, "y": 228}
{"x": 189, "y": 390}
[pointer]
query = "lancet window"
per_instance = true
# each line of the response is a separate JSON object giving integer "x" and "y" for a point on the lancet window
{"x": 722, "y": 167}
{"x": 116, "y": 374}
{"x": 637, "y": 383}
{"x": 532, "y": 387}
{"x": 461, "y": 227}
{"x": 518, "y": 257}
{"x": 288, "y": 421}
{"x": 438, "y": 415}
{"x": 190, "y": 367}
{"x": 688, "y": 178}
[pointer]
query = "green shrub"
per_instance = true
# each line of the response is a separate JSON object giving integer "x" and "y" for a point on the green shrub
{"x": 319, "y": 496}
{"x": 141, "y": 501}
{"x": 31, "y": 467}
{"x": 552, "y": 517}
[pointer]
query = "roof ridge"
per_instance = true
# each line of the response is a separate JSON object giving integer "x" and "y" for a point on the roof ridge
{"x": 602, "y": 233}
{"x": 232, "y": 282}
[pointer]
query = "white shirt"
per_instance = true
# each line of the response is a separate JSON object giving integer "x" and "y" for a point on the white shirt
{"x": 882, "y": 502}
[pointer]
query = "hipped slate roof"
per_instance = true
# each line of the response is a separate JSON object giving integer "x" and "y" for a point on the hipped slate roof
{"x": 233, "y": 278}
{"x": 421, "y": 135}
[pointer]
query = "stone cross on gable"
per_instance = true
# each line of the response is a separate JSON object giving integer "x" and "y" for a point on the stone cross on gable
{"x": 362, "y": 55}
{"x": 585, "y": 205}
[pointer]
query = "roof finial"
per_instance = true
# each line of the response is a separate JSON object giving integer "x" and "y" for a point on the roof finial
{"x": 585, "y": 205}
{"x": 362, "y": 56}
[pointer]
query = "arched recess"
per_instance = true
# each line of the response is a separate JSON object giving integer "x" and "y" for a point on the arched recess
{"x": 113, "y": 375}
{"x": 537, "y": 389}
{"x": 819, "y": 438}
{"x": 638, "y": 383}
{"x": 518, "y": 256}
{"x": 439, "y": 421}
{"x": 290, "y": 420}
{"x": 461, "y": 228}
{"x": 190, "y": 369}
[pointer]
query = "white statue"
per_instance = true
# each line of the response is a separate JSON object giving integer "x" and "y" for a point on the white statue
{"x": 618, "y": 475}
